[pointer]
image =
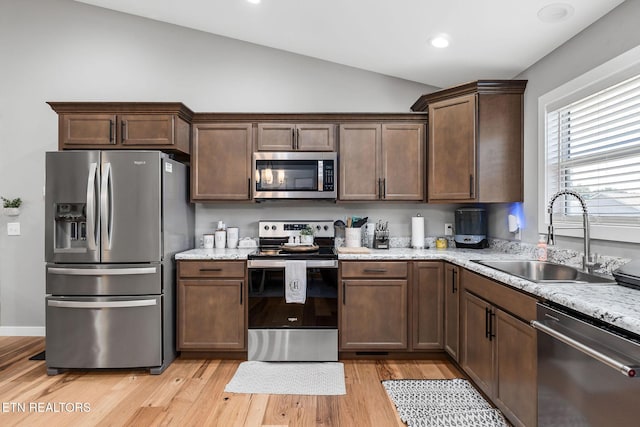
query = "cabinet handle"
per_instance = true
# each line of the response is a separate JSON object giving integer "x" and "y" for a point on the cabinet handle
{"x": 384, "y": 188}
{"x": 471, "y": 185}
{"x": 375, "y": 270}
{"x": 492, "y": 316}
{"x": 240, "y": 293}
{"x": 112, "y": 126}
{"x": 210, "y": 269}
{"x": 344, "y": 291}
{"x": 123, "y": 130}
{"x": 379, "y": 188}
{"x": 249, "y": 187}
{"x": 297, "y": 139}
{"x": 486, "y": 322}
{"x": 454, "y": 276}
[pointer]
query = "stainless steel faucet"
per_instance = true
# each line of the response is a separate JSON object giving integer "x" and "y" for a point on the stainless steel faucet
{"x": 588, "y": 264}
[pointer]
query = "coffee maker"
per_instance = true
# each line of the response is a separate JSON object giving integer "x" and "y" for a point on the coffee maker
{"x": 471, "y": 228}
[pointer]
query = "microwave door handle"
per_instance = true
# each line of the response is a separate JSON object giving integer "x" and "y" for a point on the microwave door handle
{"x": 91, "y": 208}
{"x": 320, "y": 175}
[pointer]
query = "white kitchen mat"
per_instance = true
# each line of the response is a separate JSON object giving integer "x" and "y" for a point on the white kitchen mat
{"x": 436, "y": 403}
{"x": 308, "y": 378}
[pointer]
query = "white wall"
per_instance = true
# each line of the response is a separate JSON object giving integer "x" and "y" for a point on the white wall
{"x": 607, "y": 38}
{"x": 59, "y": 50}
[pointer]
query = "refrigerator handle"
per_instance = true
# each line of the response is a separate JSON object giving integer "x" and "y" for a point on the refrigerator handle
{"x": 102, "y": 304}
{"x": 66, "y": 271}
{"x": 106, "y": 205}
{"x": 91, "y": 207}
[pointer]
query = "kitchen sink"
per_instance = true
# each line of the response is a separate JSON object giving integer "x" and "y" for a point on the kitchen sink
{"x": 545, "y": 272}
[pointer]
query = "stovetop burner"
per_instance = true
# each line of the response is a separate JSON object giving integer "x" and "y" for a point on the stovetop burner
{"x": 273, "y": 235}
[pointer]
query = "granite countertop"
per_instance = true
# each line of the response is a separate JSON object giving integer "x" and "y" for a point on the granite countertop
{"x": 613, "y": 304}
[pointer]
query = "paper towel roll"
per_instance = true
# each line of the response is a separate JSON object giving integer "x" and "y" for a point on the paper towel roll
{"x": 417, "y": 232}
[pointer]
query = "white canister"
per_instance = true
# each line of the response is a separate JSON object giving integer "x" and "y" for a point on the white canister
{"x": 207, "y": 241}
{"x": 221, "y": 239}
{"x": 232, "y": 237}
{"x": 353, "y": 237}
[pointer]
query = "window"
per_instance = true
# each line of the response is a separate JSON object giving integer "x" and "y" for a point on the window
{"x": 592, "y": 146}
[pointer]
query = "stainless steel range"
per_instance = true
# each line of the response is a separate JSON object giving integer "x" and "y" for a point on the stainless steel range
{"x": 293, "y": 293}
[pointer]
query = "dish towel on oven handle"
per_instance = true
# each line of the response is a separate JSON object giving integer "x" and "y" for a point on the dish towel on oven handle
{"x": 295, "y": 279}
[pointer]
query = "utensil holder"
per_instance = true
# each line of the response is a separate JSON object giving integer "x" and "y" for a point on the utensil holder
{"x": 353, "y": 237}
{"x": 381, "y": 240}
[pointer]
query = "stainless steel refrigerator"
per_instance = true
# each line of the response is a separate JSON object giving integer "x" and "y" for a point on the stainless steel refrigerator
{"x": 113, "y": 222}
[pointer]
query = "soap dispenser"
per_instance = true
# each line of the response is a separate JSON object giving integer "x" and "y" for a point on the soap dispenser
{"x": 541, "y": 250}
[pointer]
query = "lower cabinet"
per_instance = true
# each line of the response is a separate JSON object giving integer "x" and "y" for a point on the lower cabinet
{"x": 498, "y": 349}
{"x": 374, "y": 306}
{"x": 427, "y": 305}
{"x": 211, "y": 306}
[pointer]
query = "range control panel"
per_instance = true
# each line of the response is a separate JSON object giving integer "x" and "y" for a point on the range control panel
{"x": 321, "y": 228}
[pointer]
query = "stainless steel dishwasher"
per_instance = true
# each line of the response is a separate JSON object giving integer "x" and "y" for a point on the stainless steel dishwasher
{"x": 587, "y": 372}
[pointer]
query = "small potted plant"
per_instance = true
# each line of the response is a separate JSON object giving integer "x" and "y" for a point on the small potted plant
{"x": 306, "y": 236}
{"x": 11, "y": 206}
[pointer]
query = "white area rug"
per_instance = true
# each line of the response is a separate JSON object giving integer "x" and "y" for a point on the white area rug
{"x": 436, "y": 403}
{"x": 309, "y": 378}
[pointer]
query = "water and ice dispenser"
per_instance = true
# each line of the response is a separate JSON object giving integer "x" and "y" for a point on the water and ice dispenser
{"x": 70, "y": 226}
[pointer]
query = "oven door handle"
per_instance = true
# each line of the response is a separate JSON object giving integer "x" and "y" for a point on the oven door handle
{"x": 627, "y": 371}
{"x": 271, "y": 263}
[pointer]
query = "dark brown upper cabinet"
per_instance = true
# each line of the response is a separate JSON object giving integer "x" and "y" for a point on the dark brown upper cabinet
{"x": 124, "y": 125}
{"x": 382, "y": 161}
{"x": 296, "y": 137}
{"x": 475, "y": 148}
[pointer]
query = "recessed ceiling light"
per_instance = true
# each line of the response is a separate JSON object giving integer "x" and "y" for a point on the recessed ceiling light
{"x": 254, "y": 1}
{"x": 439, "y": 41}
{"x": 555, "y": 12}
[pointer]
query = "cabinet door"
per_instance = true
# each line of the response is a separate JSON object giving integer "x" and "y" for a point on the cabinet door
{"x": 275, "y": 137}
{"x": 477, "y": 342}
{"x": 451, "y": 311}
{"x": 452, "y": 149}
{"x": 516, "y": 389}
{"x": 87, "y": 129}
{"x": 315, "y": 137}
{"x": 221, "y": 162}
{"x": 403, "y": 161}
{"x": 211, "y": 315}
{"x": 149, "y": 129}
{"x": 374, "y": 315}
{"x": 359, "y": 147}
{"x": 427, "y": 305}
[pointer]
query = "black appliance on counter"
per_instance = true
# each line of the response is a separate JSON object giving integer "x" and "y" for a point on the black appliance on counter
{"x": 471, "y": 228}
{"x": 281, "y": 331}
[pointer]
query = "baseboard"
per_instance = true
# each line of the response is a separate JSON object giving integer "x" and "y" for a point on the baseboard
{"x": 22, "y": 331}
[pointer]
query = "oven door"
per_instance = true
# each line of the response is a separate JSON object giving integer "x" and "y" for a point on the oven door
{"x": 281, "y": 331}
{"x": 290, "y": 175}
{"x": 267, "y": 305}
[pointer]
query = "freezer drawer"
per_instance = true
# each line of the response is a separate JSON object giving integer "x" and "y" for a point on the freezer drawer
{"x": 103, "y": 332}
{"x": 104, "y": 279}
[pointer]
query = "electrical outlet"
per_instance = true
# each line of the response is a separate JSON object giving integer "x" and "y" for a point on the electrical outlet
{"x": 13, "y": 228}
{"x": 448, "y": 229}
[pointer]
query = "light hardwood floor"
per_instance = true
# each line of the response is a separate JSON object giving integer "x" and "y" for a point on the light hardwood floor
{"x": 190, "y": 393}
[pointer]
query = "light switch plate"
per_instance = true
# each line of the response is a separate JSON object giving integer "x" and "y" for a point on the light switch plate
{"x": 448, "y": 229}
{"x": 13, "y": 228}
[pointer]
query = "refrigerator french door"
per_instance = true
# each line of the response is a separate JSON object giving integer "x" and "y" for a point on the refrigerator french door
{"x": 114, "y": 220}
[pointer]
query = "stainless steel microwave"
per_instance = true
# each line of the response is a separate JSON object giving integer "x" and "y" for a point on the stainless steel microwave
{"x": 294, "y": 175}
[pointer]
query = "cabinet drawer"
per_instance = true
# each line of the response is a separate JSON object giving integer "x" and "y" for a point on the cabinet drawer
{"x": 510, "y": 300}
{"x": 374, "y": 269}
{"x": 206, "y": 269}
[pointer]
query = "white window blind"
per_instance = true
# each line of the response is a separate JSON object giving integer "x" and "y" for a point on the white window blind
{"x": 593, "y": 147}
